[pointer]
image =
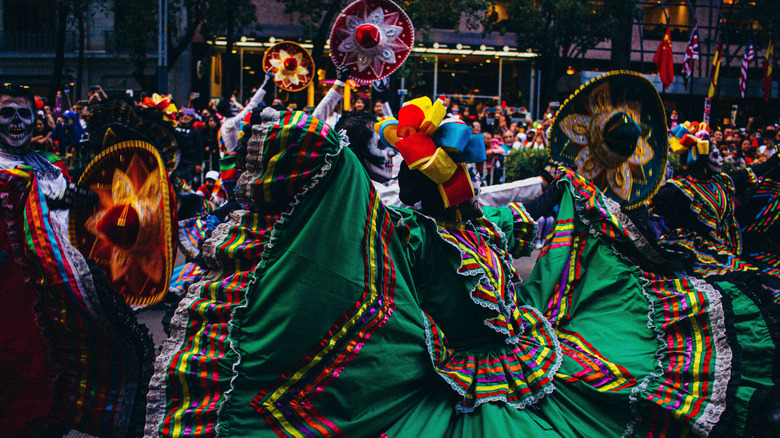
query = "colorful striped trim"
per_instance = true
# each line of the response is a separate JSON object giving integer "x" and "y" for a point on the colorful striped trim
{"x": 520, "y": 373}
{"x": 188, "y": 386}
{"x": 713, "y": 203}
{"x": 688, "y": 389}
{"x": 94, "y": 339}
{"x": 768, "y": 195}
{"x": 286, "y": 405}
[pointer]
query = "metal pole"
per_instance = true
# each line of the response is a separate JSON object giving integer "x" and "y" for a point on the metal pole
{"x": 538, "y": 93}
{"x": 241, "y": 78}
{"x": 531, "y": 92}
{"x": 500, "y": 77}
{"x": 436, "y": 76}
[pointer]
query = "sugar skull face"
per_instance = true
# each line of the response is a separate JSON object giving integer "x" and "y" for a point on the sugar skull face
{"x": 17, "y": 120}
{"x": 714, "y": 161}
{"x": 379, "y": 160}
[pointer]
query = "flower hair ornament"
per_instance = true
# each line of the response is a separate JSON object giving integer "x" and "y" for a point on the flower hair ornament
{"x": 164, "y": 104}
{"x": 438, "y": 148}
{"x": 691, "y": 139}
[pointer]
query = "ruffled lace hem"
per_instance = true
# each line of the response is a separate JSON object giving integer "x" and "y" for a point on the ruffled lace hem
{"x": 687, "y": 384}
{"x": 519, "y": 374}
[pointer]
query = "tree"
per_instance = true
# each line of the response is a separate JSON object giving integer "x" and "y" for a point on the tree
{"x": 556, "y": 30}
{"x": 136, "y": 27}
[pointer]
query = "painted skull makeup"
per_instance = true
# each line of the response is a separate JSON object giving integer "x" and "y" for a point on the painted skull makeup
{"x": 379, "y": 160}
{"x": 17, "y": 120}
{"x": 715, "y": 161}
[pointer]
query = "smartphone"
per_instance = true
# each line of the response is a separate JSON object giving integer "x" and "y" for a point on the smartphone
{"x": 129, "y": 93}
{"x": 195, "y": 95}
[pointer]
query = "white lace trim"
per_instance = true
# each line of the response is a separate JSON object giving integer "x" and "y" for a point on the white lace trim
{"x": 270, "y": 116}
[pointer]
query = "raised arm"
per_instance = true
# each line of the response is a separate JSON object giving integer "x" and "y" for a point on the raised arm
{"x": 333, "y": 96}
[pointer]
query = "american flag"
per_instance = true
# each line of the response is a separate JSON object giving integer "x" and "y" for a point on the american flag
{"x": 691, "y": 53}
{"x": 750, "y": 54}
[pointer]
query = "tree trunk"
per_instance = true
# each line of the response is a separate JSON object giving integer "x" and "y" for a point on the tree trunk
{"x": 622, "y": 35}
{"x": 79, "y": 12}
{"x": 59, "y": 52}
{"x": 550, "y": 71}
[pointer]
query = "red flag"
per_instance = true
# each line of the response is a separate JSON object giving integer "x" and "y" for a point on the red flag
{"x": 766, "y": 83}
{"x": 663, "y": 59}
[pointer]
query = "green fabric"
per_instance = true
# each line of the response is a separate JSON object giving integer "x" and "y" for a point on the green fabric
{"x": 354, "y": 320}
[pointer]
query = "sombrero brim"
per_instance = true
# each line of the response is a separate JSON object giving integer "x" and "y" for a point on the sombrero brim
{"x": 129, "y": 175}
{"x": 369, "y": 65}
{"x": 638, "y": 178}
{"x": 290, "y": 80}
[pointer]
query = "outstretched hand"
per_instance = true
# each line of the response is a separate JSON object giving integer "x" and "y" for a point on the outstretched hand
{"x": 74, "y": 196}
{"x": 342, "y": 72}
{"x": 268, "y": 79}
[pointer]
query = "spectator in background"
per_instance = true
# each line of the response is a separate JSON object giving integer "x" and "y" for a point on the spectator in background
{"x": 539, "y": 140}
{"x": 476, "y": 127}
{"x": 212, "y": 189}
{"x": 40, "y": 137}
{"x": 191, "y": 147}
{"x": 522, "y": 140}
{"x": 358, "y": 104}
{"x": 68, "y": 133}
{"x": 208, "y": 137}
{"x": 48, "y": 117}
{"x": 510, "y": 141}
{"x": 378, "y": 109}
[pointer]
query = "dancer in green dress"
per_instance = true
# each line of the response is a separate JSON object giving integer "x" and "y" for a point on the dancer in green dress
{"x": 325, "y": 313}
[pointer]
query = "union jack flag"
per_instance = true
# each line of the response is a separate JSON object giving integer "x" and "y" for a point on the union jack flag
{"x": 691, "y": 53}
{"x": 750, "y": 55}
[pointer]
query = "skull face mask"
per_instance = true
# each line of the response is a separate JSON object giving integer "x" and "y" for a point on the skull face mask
{"x": 17, "y": 120}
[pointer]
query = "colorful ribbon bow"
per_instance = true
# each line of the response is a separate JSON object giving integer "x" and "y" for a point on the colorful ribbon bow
{"x": 436, "y": 147}
{"x": 164, "y": 104}
{"x": 687, "y": 135}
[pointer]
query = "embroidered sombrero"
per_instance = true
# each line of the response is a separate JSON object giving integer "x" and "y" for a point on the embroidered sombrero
{"x": 130, "y": 232}
{"x": 372, "y": 37}
{"x": 291, "y": 65}
{"x": 613, "y": 132}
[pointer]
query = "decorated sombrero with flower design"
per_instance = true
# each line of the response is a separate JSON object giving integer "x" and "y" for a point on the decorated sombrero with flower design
{"x": 372, "y": 37}
{"x": 130, "y": 232}
{"x": 613, "y": 132}
{"x": 291, "y": 65}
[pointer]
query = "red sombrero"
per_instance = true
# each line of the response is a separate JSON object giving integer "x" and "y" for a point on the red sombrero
{"x": 291, "y": 64}
{"x": 372, "y": 37}
{"x": 130, "y": 232}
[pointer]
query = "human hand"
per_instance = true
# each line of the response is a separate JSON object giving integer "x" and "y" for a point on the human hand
{"x": 268, "y": 79}
{"x": 342, "y": 72}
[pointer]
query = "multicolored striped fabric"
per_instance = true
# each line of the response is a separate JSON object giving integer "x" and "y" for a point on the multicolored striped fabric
{"x": 768, "y": 195}
{"x": 190, "y": 384}
{"x": 286, "y": 158}
{"x": 101, "y": 354}
{"x": 713, "y": 203}
{"x": 719, "y": 252}
{"x": 521, "y": 373}
{"x": 685, "y": 391}
{"x": 695, "y": 365}
{"x": 279, "y": 404}
{"x": 183, "y": 276}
